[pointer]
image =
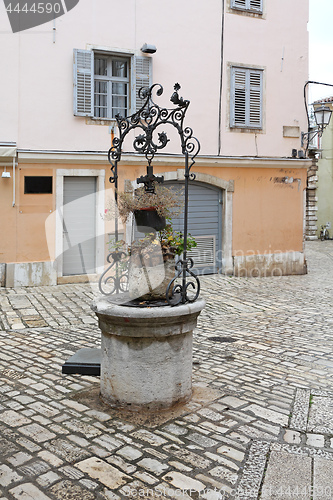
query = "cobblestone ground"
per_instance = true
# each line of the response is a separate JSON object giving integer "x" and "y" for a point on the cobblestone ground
{"x": 260, "y": 424}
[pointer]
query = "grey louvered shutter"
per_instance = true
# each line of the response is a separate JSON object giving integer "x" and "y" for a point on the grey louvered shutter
{"x": 83, "y": 82}
{"x": 255, "y": 5}
{"x": 240, "y": 4}
{"x": 143, "y": 77}
{"x": 251, "y": 5}
{"x": 255, "y": 98}
{"x": 238, "y": 97}
{"x": 246, "y": 98}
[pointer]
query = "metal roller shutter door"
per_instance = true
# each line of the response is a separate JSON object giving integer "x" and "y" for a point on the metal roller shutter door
{"x": 79, "y": 220}
{"x": 204, "y": 224}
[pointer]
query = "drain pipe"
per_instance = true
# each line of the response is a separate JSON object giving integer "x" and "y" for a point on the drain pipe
{"x": 221, "y": 81}
{"x": 14, "y": 185}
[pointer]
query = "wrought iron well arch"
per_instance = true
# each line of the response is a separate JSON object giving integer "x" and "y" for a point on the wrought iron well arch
{"x": 147, "y": 119}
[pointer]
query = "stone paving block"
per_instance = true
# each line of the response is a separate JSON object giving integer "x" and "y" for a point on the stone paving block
{"x": 14, "y": 419}
{"x": 153, "y": 465}
{"x": 28, "y": 491}
{"x": 201, "y": 440}
{"x": 66, "y": 450}
{"x": 287, "y": 476}
{"x": 233, "y": 402}
{"x": 183, "y": 482}
{"x": 322, "y": 479}
{"x": 266, "y": 414}
{"x": 103, "y": 472}
{"x": 120, "y": 463}
{"x": 7, "y": 447}
{"x": 292, "y": 437}
{"x": 130, "y": 453}
{"x": 34, "y": 468}
{"x": 71, "y": 489}
{"x": 321, "y": 415}
{"x": 37, "y": 433}
{"x": 253, "y": 471}
{"x": 300, "y": 412}
{"x": 222, "y": 460}
{"x": 230, "y": 452}
{"x": 188, "y": 456}
{"x": 47, "y": 479}
{"x": 8, "y": 475}
{"x": 315, "y": 440}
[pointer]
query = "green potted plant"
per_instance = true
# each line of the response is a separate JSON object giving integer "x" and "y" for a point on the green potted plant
{"x": 152, "y": 257}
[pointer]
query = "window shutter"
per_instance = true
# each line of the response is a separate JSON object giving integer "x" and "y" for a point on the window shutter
{"x": 251, "y": 5}
{"x": 256, "y": 5}
{"x": 143, "y": 77}
{"x": 238, "y": 97}
{"x": 83, "y": 82}
{"x": 246, "y": 98}
{"x": 240, "y": 4}
{"x": 255, "y": 94}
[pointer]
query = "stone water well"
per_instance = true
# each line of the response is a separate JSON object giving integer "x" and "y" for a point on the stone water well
{"x": 146, "y": 354}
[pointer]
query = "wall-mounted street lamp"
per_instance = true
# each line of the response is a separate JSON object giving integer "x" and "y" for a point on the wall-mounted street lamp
{"x": 322, "y": 116}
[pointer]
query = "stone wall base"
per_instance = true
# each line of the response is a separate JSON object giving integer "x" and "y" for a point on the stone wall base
{"x": 18, "y": 274}
{"x": 277, "y": 264}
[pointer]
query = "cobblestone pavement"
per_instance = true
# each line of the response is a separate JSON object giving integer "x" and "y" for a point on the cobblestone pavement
{"x": 260, "y": 424}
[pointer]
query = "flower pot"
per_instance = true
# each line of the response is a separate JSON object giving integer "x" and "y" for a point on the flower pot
{"x": 148, "y": 218}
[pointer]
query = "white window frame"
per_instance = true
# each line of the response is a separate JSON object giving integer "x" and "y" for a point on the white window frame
{"x": 246, "y": 97}
{"x": 254, "y": 6}
{"x": 140, "y": 75}
{"x": 109, "y": 79}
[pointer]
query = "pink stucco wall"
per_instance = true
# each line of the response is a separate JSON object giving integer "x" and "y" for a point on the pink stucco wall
{"x": 38, "y": 84}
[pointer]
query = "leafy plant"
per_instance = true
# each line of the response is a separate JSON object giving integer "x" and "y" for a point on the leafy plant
{"x": 170, "y": 241}
{"x": 173, "y": 241}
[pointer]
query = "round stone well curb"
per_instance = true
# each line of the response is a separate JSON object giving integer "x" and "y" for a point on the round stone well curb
{"x": 146, "y": 360}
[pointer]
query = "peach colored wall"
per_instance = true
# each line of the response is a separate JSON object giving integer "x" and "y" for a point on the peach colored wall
{"x": 38, "y": 83}
{"x": 8, "y": 238}
{"x": 262, "y": 208}
{"x": 23, "y": 226}
{"x": 267, "y": 212}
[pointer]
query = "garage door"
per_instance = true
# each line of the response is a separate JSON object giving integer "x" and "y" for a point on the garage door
{"x": 204, "y": 224}
{"x": 79, "y": 225}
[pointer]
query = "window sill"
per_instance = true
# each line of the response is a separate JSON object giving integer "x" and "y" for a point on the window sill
{"x": 98, "y": 121}
{"x": 246, "y": 12}
{"x": 246, "y": 130}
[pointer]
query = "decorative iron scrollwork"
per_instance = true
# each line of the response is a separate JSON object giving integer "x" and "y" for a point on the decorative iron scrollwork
{"x": 149, "y": 123}
{"x": 117, "y": 282}
{"x": 148, "y": 118}
{"x": 179, "y": 292}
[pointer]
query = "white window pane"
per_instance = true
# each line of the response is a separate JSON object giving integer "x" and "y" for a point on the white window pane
{"x": 119, "y": 68}
{"x": 119, "y": 105}
{"x": 101, "y": 108}
{"x": 119, "y": 89}
{"x": 101, "y": 65}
